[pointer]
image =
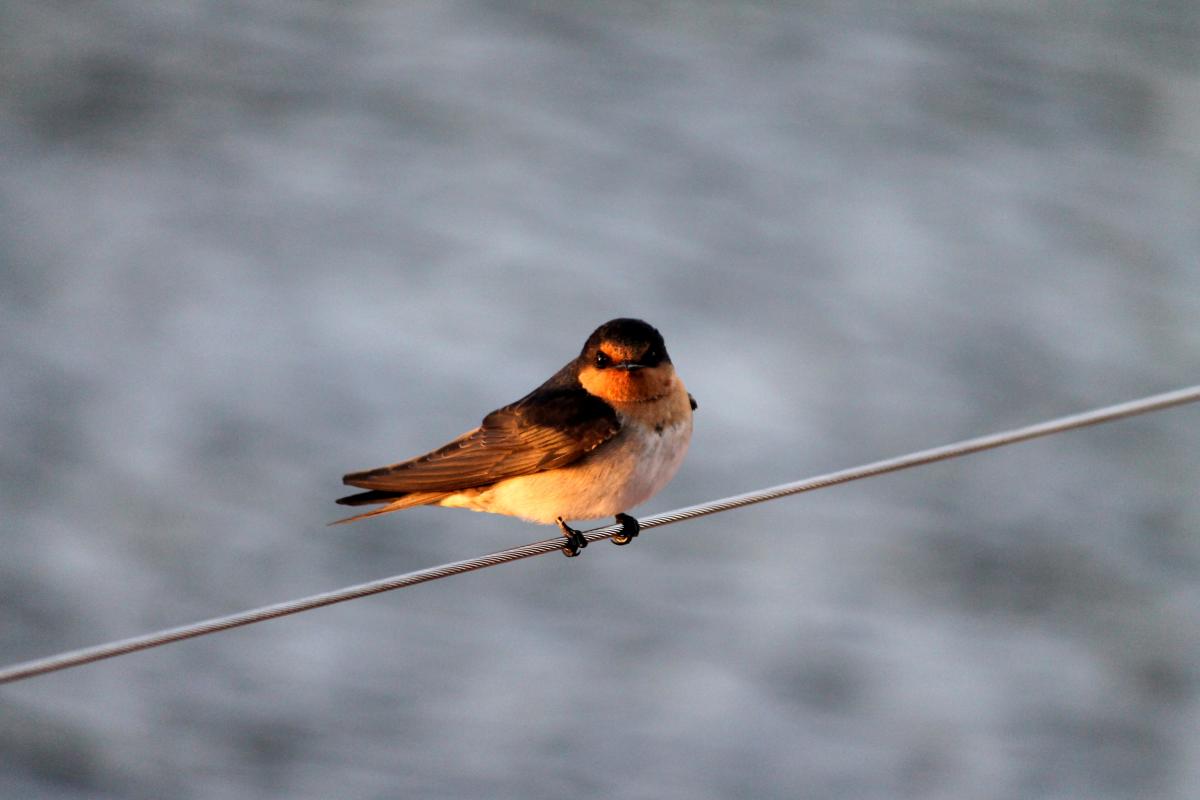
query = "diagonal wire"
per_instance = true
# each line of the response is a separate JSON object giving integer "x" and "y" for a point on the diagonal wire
{"x": 87, "y": 655}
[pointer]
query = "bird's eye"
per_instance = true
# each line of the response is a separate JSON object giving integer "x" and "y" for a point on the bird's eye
{"x": 602, "y": 360}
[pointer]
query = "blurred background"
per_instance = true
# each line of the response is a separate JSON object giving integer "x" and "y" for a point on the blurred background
{"x": 246, "y": 247}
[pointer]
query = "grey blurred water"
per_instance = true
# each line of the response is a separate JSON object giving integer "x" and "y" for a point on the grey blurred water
{"x": 246, "y": 247}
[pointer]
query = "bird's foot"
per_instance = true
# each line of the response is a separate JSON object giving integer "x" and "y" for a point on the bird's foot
{"x": 630, "y": 528}
{"x": 575, "y": 539}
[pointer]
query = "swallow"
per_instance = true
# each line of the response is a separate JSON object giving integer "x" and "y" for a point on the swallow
{"x": 604, "y": 434}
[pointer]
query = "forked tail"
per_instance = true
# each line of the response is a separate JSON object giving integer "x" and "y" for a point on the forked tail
{"x": 394, "y": 501}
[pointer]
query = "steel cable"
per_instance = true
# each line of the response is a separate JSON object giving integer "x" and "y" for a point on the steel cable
{"x": 87, "y": 655}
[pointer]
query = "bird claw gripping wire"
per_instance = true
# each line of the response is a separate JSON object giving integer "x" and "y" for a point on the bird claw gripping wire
{"x": 630, "y": 528}
{"x": 575, "y": 539}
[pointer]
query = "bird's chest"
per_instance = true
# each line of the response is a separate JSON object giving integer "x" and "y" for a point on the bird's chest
{"x": 643, "y": 458}
{"x": 617, "y": 476}
{"x": 622, "y": 473}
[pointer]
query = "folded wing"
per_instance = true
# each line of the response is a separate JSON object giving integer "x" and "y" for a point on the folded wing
{"x": 549, "y": 428}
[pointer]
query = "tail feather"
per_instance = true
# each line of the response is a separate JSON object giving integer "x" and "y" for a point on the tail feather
{"x": 394, "y": 502}
{"x": 369, "y": 498}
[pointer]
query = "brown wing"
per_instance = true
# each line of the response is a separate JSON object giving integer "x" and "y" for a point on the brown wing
{"x": 550, "y": 428}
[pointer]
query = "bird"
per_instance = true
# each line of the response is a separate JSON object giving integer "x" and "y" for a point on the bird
{"x": 604, "y": 434}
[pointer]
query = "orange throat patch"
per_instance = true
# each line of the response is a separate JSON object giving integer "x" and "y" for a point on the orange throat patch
{"x": 619, "y": 387}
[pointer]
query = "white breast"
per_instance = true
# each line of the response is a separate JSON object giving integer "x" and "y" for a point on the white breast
{"x": 620, "y": 474}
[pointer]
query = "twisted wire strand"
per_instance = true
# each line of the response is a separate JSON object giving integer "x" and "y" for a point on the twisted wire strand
{"x": 87, "y": 655}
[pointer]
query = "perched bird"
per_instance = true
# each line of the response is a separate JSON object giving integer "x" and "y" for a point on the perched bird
{"x": 605, "y": 433}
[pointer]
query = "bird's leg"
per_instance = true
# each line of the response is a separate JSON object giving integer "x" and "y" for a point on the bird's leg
{"x": 630, "y": 528}
{"x": 575, "y": 539}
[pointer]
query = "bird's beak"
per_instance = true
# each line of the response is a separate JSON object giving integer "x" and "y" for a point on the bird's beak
{"x": 629, "y": 366}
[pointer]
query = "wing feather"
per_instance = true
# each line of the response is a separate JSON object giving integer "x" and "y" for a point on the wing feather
{"x": 549, "y": 428}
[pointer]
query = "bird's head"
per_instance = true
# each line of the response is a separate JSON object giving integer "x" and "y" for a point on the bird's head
{"x": 626, "y": 361}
